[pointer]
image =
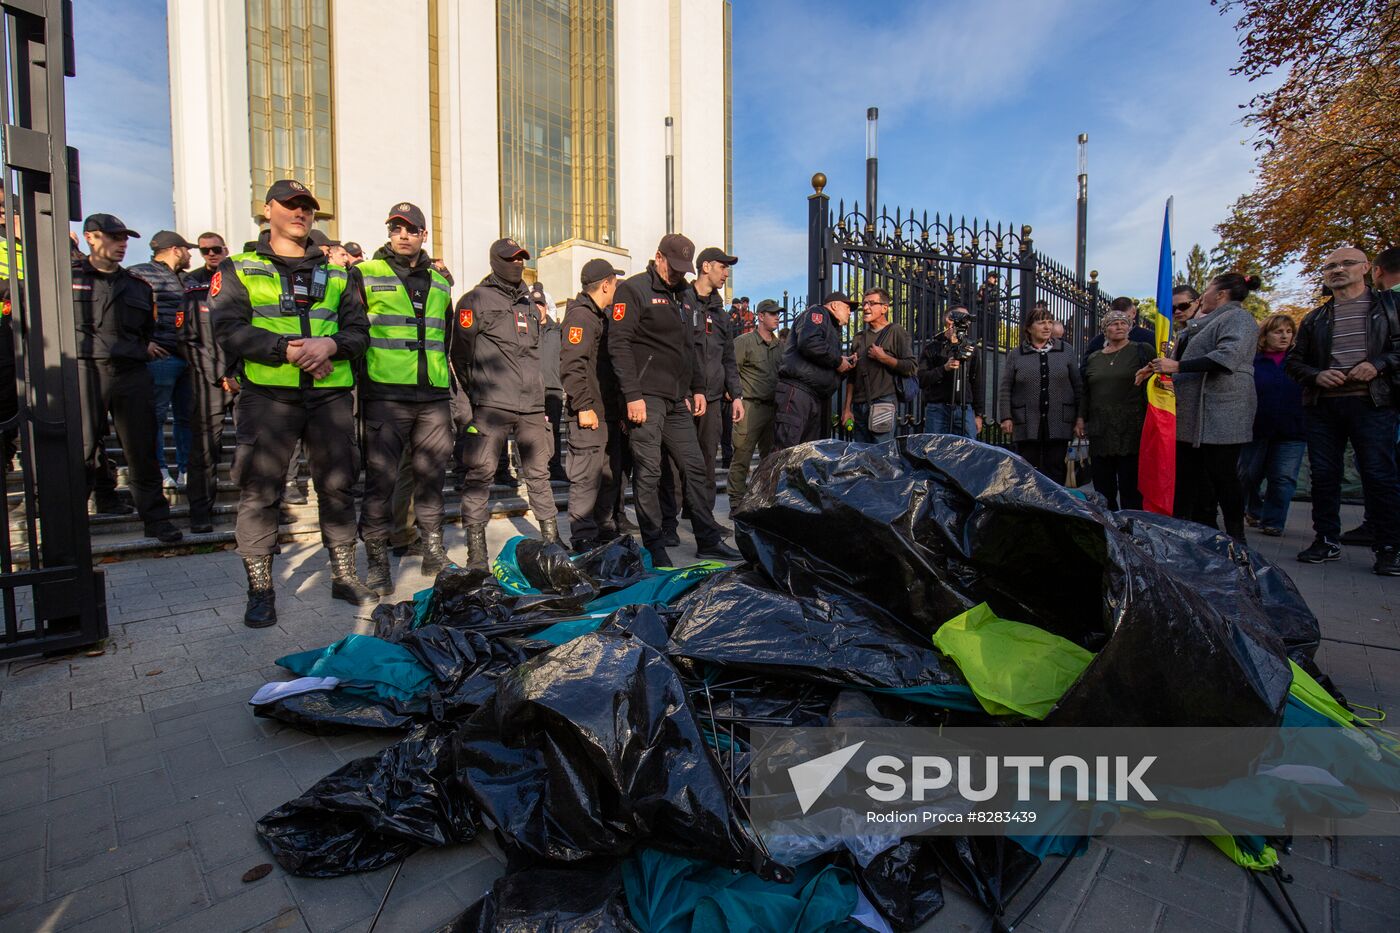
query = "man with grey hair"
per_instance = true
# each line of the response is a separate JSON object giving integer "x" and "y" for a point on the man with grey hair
{"x": 1344, "y": 358}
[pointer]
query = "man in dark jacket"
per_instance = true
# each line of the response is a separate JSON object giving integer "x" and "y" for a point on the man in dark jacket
{"x": 114, "y": 313}
{"x": 812, "y": 363}
{"x": 213, "y": 385}
{"x": 404, "y": 393}
{"x": 170, "y": 257}
{"x": 295, "y": 326}
{"x": 1345, "y": 356}
{"x": 653, "y": 342}
{"x": 950, "y": 375}
{"x": 551, "y": 335}
{"x": 496, "y": 356}
{"x": 722, "y": 389}
{"x": 595, "y": 409}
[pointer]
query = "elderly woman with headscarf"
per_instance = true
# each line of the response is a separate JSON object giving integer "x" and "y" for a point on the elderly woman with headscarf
{"x": 1114, "y": 408}
{"x": 1212, "y": 370}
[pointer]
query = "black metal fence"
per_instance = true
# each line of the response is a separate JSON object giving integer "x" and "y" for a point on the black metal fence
{"x": 931, "y": 265}
{"x": 51, "y": 597}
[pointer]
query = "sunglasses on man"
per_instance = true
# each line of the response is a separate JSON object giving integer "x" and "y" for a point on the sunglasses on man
{"x": 212, "y": 250}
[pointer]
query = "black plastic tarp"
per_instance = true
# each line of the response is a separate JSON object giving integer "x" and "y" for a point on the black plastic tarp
{"x": 927, "y": 525}
{"x": 542, "y": 899}
{"x": 592, "y": 748}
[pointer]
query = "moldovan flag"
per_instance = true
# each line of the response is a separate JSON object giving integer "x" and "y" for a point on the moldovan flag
{"x": 1157, "y": 453}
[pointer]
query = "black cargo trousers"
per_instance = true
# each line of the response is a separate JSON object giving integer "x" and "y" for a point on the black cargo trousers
{"x": 669, "y": 427}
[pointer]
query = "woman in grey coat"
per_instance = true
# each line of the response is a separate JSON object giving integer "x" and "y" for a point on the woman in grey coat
{"x": 1039, "y": 397}
{"x": 1212, "y": 370}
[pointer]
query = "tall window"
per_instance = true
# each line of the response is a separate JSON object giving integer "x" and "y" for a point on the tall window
{"x": 728, "y": 130}
{"x": 289, "y": 97}
{"x": 558, "y": 159}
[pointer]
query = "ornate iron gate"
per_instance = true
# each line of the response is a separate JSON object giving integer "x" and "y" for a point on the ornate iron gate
{"x": 930, "y": 266}
{"x": 52, "y": 598}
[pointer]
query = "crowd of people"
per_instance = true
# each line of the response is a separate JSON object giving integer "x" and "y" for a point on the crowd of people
{"x": 1251, "y": 399}
{"x": 365, "y": 361}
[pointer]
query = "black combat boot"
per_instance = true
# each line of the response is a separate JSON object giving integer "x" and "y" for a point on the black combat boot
{"x": 477, "y": 558}
{"x": 261, "y": 611}
{"x": 549, "y": 531}
{"x": 345, "y": 584}
{"x": 434, "y": 554}
{"x": 379, "y": 577}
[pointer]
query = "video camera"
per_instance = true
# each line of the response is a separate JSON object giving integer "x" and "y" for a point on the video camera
{"x": 961, "y": 348}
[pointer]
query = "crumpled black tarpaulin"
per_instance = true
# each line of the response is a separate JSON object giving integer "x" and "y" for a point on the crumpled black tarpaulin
{"x": 736, "y": 620}
{"x": 592, "y": 748}
{"x": 372, "y": 811}
{"x": 542, "y": 899}
{"x": 928, "y": 525}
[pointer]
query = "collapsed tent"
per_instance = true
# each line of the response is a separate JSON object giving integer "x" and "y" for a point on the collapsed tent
{"x": 593, "y": 713}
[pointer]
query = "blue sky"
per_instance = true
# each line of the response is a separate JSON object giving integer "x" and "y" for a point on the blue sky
{"x": 980, "y": 105}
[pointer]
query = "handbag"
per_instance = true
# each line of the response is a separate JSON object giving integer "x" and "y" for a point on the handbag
{"x": 881, "y": 419}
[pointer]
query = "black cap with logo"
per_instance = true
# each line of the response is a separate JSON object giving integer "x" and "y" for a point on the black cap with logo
{"x": 714, "y": 254}
{"x": 168, "y": 238}
{"x": 595, "y": 270}
{"x": 409, "y": 213}
{"x": 289, "y": 189}
{"x": 679, "y": 252}
{"x": 107, "y": 223}
{"x": 507, "y": 248}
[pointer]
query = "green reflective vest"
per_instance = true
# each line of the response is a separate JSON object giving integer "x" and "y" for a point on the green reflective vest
{"x": 5, "y": 270}
{"x": 259, "y": 276}
{"x": 394, "y": 342}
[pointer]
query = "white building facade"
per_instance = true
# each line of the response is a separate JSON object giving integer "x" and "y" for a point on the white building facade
{"x": 544, "y": 120}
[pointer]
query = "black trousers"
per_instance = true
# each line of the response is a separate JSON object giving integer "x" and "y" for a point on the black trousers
{"x": 669, "y": 427}
{"x": 424, "y": 430}
{"x": 1207, "y": 475}
{"x": 798, "y": 418}
{"x": 726, "y": 434}
{"x": 126, "y": 393}
{"x": 595, "y": 480}
{"x": 672, "y": 488}
{"x": 268, "y": 430}
{"x": 208, "y": 407}
{"x": 554, "y": 411}
{"x": 1116, "y": 479}
{"x": 483, "y": 451}
{"x": 708, "y": 429}
{"x": 1047, "y": 456}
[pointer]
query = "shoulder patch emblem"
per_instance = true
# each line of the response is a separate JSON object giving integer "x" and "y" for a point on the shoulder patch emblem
{"x": 619, "y": 311}
{"x": 575, "y": 335}
{"x": 464, "y": 317}
{"x": 179, "y": 319}
{"x": 216, "y": 283}
{"x": 818, "y": 317}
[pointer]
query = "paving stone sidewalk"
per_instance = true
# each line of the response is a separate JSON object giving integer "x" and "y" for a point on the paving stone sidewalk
{"x": 132, "y": 780}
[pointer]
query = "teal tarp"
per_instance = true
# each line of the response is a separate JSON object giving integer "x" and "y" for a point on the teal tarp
{"x": 365, "y": 665}
{"x": 672, "y": 894}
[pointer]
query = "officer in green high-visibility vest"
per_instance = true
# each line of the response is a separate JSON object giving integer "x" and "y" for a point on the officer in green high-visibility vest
{"x": 404, "y": 397}
{"x": 288, "y": 315}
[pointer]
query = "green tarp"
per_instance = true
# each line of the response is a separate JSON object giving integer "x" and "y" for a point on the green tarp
{"x": 365, "y": 665}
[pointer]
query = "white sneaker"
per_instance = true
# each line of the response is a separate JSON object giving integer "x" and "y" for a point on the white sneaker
{"x": 184, "y": 479}
{"x": 168, "y": 482}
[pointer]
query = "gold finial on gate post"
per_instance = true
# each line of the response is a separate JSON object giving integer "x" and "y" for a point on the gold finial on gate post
{"x": 1093, "y": 275}
{"x": 818, "y": 183}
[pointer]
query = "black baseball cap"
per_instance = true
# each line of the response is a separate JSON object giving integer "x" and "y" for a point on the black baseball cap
{"x": 168, "y": 238}
{"x": 319, "y": 238}
{"x": 409, "y": 214}
{"x": 289, "y": 189}
{"x": 837, "y": 296}
{"x": 507, "y": 248}
{"x": 768, "y": 306}
{"x": 537, "y": 293}
{"x": 354, "y": 249}
{"x": 714, "y": 254}
{"x": 595, "y": 270}
{"x": 107, "y": 223}
{"x": 679, "y": 252}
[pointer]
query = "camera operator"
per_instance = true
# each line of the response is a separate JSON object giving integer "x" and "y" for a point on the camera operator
{"x": 951, "y": 376}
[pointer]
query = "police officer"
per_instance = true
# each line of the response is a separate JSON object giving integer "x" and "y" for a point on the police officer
{"x": 807, "y": 377}
{"x": 551, "y": 337}
{"x": 496, "y": 356}
{"x": 295, "y": 325}
{"x": 595, "y": 409}
{"x": 9, "y": 386}
{"x": 722, "y": 388}
{"x": 404, "y": 397}
{"x": 115, "y": 316}
{"x": 653, "y": 341}
{"x": 213, "y": 385}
